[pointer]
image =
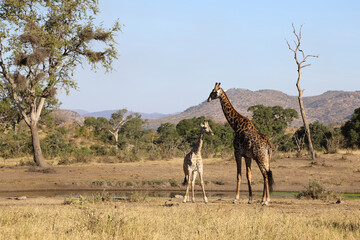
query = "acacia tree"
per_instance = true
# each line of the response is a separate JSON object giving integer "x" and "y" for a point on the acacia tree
{"x": 300, "y": 59}
{"x": 41, "y": 44}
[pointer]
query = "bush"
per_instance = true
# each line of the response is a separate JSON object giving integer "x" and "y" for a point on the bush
{"x": 83, "y": 155}
{"x": 315, "y": 191}
{"x": 13, "y": 145}
{"x": 99, "y": 150}
{"x": 126, "y": 156}
{"x": 55, "y": 145}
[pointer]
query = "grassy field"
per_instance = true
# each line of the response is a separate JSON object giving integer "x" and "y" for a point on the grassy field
{"x": 155, "y": 218}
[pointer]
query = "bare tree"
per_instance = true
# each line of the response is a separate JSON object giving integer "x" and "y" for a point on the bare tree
{"x": 300, "y": 62}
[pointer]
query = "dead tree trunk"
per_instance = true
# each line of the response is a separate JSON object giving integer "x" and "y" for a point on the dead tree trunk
{"x": 300, "y": 65}
{"x": 115, "y": 133}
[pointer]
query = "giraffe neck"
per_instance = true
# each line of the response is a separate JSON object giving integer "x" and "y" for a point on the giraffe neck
{"x": 235, "y": 119}
{"x": 198, "y": 146}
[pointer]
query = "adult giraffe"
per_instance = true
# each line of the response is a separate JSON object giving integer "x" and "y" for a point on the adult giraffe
{"x": 248, "y": 143}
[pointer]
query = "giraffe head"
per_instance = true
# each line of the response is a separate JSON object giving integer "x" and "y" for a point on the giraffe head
{"x": 206, "y": 128}
{"x": 216, "y": 92}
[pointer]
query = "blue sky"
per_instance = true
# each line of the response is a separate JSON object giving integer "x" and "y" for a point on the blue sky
{"x": 173, "y": 52}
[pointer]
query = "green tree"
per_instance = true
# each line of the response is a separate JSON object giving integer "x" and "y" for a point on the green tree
{"x": 41, "y": 44}
{"x": 132, "y": 130}
{"x": 189, "y": 129}
{"x": 351, "y": 130}
{"x": 168, "y": 139}
{"x": 273, "y": 121}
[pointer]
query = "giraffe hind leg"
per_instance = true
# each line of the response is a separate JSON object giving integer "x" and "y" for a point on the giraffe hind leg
{"x": 266, "y": 193}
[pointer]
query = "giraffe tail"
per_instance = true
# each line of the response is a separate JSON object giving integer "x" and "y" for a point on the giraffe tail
{"x": 271, "y": 180}
{"x": 269, "y": 172}
{"x": 185, "y": 181}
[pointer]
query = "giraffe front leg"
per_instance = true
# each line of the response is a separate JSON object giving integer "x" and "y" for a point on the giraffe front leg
{"x": 186, "y": 197}
{"x": 202, "y": 185}
{"x": 238, "y": 176}
{"x": 193, "y": 187}
{"x": 248, "y": 176}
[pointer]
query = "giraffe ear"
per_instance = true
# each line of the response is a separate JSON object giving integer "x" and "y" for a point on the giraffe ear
{"x": 202, "y": 125}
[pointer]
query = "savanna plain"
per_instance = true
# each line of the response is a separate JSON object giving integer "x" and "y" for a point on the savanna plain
{"x": 143, "y": 200}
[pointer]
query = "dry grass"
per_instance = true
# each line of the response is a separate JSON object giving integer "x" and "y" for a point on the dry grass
{"x": 289, "y": 219}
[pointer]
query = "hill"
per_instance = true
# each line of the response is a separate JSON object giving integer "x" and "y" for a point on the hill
{"x": 329, "y": 107}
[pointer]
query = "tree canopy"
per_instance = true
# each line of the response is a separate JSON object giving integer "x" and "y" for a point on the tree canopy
{"x": 272, "y": 121}
{"x": 351, "y": 129}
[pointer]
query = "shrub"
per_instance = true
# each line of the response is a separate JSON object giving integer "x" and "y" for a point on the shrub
{"x": 126, "y": 156}
{"x": 315, "y": 191}
{"x": 99, "y": 150}
{"x": 55, "y": 145}
{"x": 83, "y": 155}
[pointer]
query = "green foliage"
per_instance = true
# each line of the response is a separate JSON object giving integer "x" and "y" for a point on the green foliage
{"x": 189, "y": 129}
{"x": 13, "y": 145}
{"x": 133, "y": 130}
{"x": 55, "y": 145}
{"x": 99, "y": 150}
{"x": 273, "y": 121}
{"x": 351, "y": 130}
{"x": 323, "y": 137}
{"x": 221, "y": 142}
{"x": 83, "y": 155}
{"x": 168, "y": 140}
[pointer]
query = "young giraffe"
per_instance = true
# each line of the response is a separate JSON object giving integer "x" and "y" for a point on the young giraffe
{"x": 193, "y": 163}
{"x": 248, "y": 143}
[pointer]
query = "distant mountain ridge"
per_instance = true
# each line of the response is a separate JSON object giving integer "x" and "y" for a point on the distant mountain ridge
{"x": 329, "y": 107}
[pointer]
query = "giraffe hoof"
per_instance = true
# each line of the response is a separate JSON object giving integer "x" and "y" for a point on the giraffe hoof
{"x": 206, "y": 201}
{"x": 235, "y": 201}
{"x": 265, "y": 203}
{"x": 250, "y": 202}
